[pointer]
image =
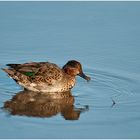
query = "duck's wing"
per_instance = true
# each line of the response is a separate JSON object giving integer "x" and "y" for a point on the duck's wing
{"x": 36, "y": 72}
{"x": 26, "y": 67}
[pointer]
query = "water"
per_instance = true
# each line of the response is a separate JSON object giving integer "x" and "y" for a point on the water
{"x": 104, "y": 37}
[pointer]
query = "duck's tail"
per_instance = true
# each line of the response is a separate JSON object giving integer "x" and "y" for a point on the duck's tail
{"x": 11, "y": 73}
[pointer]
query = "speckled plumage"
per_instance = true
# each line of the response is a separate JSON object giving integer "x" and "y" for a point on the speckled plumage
{"x": 45, "y": 76}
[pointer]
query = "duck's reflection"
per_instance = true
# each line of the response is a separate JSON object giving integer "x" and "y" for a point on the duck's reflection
{"x": 44, "y": 105}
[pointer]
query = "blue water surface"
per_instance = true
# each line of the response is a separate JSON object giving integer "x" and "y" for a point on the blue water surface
{"x": 104, "y": 37}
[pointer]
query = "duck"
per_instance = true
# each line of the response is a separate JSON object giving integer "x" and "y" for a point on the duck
{"x": 45, "y": 76}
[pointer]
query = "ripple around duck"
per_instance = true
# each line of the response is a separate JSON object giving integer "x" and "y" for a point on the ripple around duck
{"x": 110, "y": 86}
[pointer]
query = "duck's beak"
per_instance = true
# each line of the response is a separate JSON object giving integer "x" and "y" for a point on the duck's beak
{"x": 84, "y": 76}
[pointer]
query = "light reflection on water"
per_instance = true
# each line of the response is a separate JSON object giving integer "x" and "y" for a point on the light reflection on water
{"x": 31, "y": 104}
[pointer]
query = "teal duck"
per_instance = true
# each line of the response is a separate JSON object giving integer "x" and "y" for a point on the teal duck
{"x": 46, "y": 76}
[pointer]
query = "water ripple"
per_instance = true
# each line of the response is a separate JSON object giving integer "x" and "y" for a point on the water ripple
{"x": 109, "y": 86}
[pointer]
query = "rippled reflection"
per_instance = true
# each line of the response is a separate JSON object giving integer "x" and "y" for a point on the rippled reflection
{"x": 33, "y": 104}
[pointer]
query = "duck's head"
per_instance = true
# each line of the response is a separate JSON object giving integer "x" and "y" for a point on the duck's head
{"x": 74, "y": 68}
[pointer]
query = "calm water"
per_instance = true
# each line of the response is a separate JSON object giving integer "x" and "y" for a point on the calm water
{"x": 104, "y": 37}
